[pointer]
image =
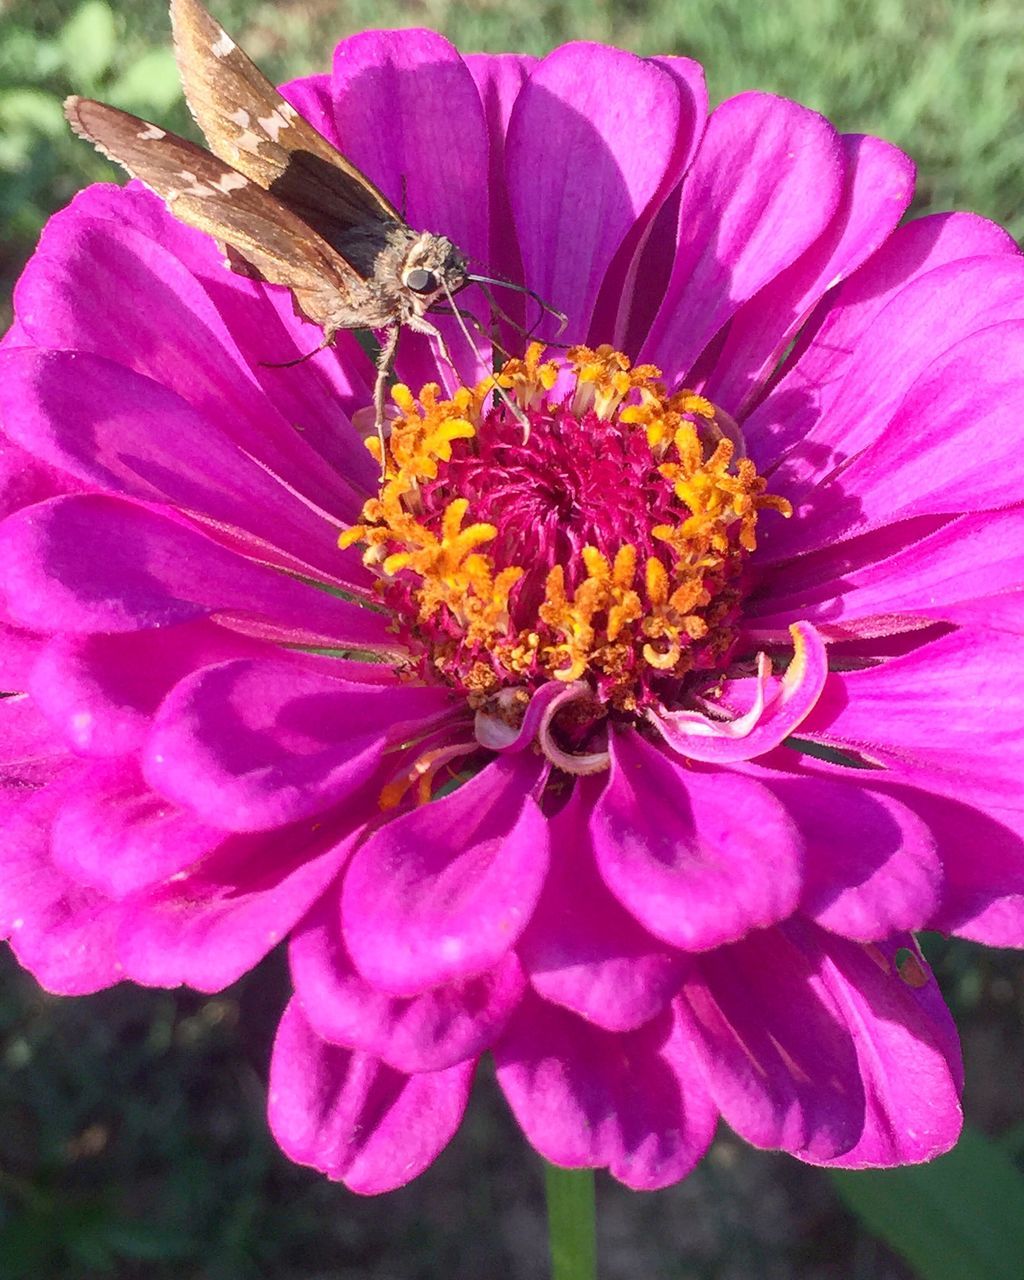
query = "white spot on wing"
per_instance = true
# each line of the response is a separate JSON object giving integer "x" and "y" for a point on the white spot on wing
{"x": 222, "y": 46}
{"x": 152, "y": 134}
{"x": 231, "y": 182}
{"x": 240, "y": 117}
{"x": 278, "y": 120}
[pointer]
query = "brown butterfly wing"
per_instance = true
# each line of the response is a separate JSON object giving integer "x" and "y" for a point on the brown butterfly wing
{"x": 251, "y": 127}
{"x": 204, "y": 192}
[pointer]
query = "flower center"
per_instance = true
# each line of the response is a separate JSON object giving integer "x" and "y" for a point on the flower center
{"x": 588, "y": 526}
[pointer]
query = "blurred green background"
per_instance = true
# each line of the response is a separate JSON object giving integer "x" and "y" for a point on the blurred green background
{"x": 132, "y": 1137}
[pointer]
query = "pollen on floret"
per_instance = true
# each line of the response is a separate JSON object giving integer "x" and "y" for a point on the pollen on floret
{"x": 605, "y": 545}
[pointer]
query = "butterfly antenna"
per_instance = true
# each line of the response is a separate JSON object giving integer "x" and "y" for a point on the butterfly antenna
{"x": 545, "y": 307}
{"x": 502, "y": 394}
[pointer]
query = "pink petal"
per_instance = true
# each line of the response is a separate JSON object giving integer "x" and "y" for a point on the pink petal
{"x": 208, "y": 925}
{"x": 872, "y": 866}
{"x": 72, "y": 296}
{"x": 19, "y": 652}
{"x": 961, "y": 456}
{"x": 633, "y": 1102}
{"x": 115, "y": 835}
{"x": 879, "y": 183}
{"x": 764, "y": 186}
{"x": 113, "y": 429}
{"x": 908, "y": 1055}
{"x": 892, "y": 580}
{"x": 583, "y": 165}
{"x": 100, "y": 692}
{"x": 946, "y": 714}
{"x": 62, "y": 933}
{"x": 443, "y": 892}
{"x": 581, "y": 949}
{"x": 828, "y": 349}
{"x": 89, "y": 562}
{"x": 426, "y": 1033}
{"x": 250, "y": 745}
{"x": 355, "y": 1119}
{"x": 499, "y": 78}
{"x": 779, "y": 1058}
{"x": 699, "y": 857}
{"x": 25, "y": 480}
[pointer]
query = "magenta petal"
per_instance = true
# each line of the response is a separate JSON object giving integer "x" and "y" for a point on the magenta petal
{"x": 829, "y": 347}
{"x": 909, "y": 1058}
{"x": 25, "y": 480}
{"x": 633, "y": 1102}
{"x": 19, "y": 652}
{"x": 207, "y": 926}
{"x": 872, "y": 867}
{"x": 890, "y": 579}
{"x": 779, "y": 1058}
{"x": 113, "y": 429}
{"x": 426, "y": 1033}
{"x": 95, "y": 563}
{"x": 878, "y": 187}
{"x": 64, "y": 934}
{"x": 582, "y": 166}
{"x": 71, "y": 296}
{"x": 764, "y": 186}
{"x": 888, "y": 714}
{"x": 115, "y": 835}
{"x": 250, "y": 745}
{"x": 443, "y": 892}
{"x": 582, "y": 949}
{"x": 100, "y": 692}
{"x": 698, "y": 857}
{"x": 355, "y": 1119}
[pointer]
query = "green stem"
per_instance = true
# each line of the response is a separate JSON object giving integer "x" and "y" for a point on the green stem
{"x": 570, "y": 1196}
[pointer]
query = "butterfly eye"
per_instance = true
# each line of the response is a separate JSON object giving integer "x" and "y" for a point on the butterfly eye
{"x": 421, "y": 281}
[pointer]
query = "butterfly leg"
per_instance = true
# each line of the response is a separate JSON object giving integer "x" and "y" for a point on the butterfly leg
{"x": 385, "y": 363}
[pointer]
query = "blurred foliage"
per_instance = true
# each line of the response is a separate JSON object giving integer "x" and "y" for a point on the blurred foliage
{"x": 132, "y": 1136}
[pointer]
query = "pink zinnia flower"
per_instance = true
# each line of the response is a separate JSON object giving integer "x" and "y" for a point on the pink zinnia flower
{"x": 629, "y": 747}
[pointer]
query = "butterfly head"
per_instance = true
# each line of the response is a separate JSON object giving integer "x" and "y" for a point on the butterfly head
{"x": 433, "y": 268}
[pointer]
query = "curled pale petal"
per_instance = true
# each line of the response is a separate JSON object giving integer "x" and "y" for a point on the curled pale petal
{"x": 355, "y": 1119}
{"x": 498, "y": 725}
{"x": 908, "y": 1053}
{"x": 634, "y": 1102}
{"x": 779, "y": 1058}
{"x": 582, "y": 949}
{"x": 699, "y": 857}
{"x": 249, "y": 745}
{"x": 442, "y": 892}
{"x": 774, "y": 715}
{"x": 450, "y": 1024}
